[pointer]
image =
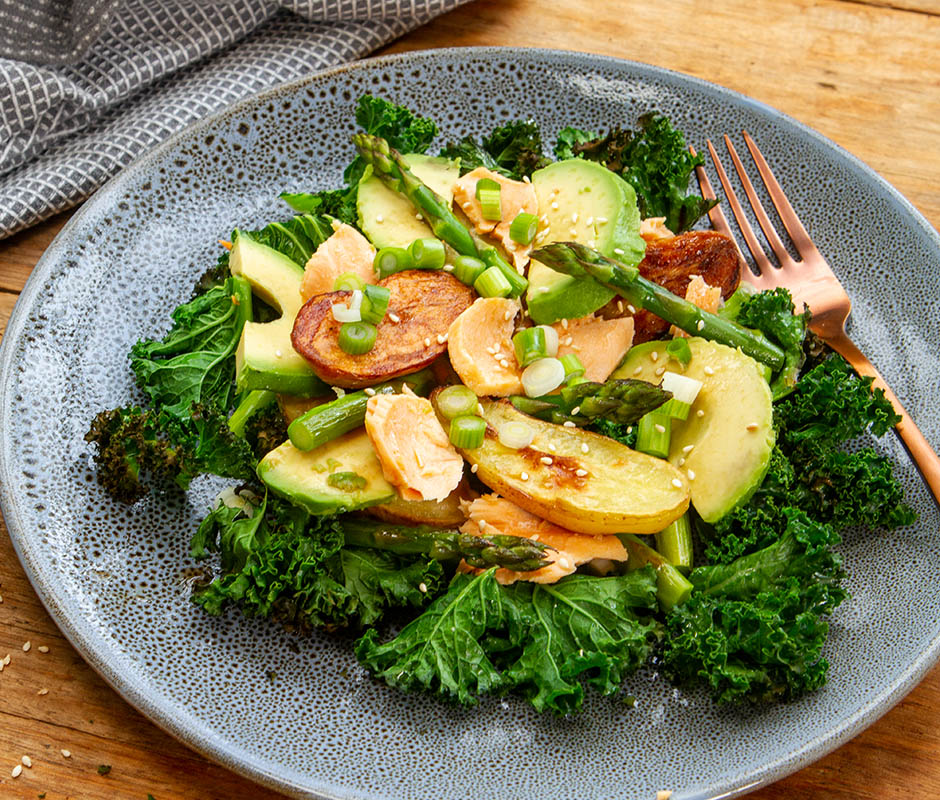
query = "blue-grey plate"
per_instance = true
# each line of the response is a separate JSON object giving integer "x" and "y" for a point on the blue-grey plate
{"x": 116, "y": 579}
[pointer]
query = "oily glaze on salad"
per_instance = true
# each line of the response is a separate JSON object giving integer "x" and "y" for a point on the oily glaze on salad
{"x": 514, "y": 404}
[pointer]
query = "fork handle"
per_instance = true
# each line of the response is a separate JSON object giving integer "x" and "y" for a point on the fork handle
{"x": 923, "y": 455}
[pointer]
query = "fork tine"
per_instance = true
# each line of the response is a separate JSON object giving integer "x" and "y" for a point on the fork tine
{"x": 716, "y": 215}
{"x": 790, "y": 220}
{"x": 763, "y": 220}
{"x": 760, "y": 258}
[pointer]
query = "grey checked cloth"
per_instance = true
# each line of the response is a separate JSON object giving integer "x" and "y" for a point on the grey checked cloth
{"x": 86, "y": 86}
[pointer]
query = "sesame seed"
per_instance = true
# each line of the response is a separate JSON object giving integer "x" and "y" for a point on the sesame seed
{"x": 466, "y": 205}
{"x": 544, "y": 219}
{"x": 569, "y": 424}
{"x": 42, "y": 692}
{"x": 700, "y": 413}
{"x": 504, "y": 364}
{"x": 379, "y": 218}
{"x": 601, "y": 220}
{"x": 660, "y": 428}
{"x": 278, "y": 354}
{"x": 480, "y": 412}
{"x": 575, "y": 411}
{"x": 677, "y": 483}
{"x": 688, "y": 448}
{"x": 27, "y": 762}
{"x": 524, "y": 476}
{"x": 618, "y": 251}
{"x": 638, "y": 370}
{"x": 492, "y": 349}
{"x": 631, "y": 309}
{"x": 568, "y": 341}
{"x": 691, "y": 474}
{"x": 654, "y": 356}
{"x": 1, "y": 666}
{"x": 394, "y": 317}
{"x": 630, "y": 429}
{"x": 370, "y": 391}
{"x": 427, "y": 341}
{"x": 580, "y": 472}
{"x": 546, "y": 461}
{"x": 448, "y": 268}
{"x": 554, "y": 206}
{"x": 474, "y": 468}
{"x": 551, "y": 446}
{"x": 752, "y": 426}
{"x": 574, "y": 217}
{"x": 564, "y": 323}
{"x": 700, "y": 325}
{"x": 66, "y": 753}
{"x": 708, "y": 371}
{"x": 564, "y": 563}
{"x": 17, "y": 771}
{"x": 1, "y": 598}
{"x": 573, "y": 233}
{"x": 441, "y": 338}
{"x": 6, "y": 660}
{"x": 589, "y": 221}
{"x": 620, "y": 306}
{"x": 525, "y": 179}
{"x": 585, "y": 448}
{"x": 660, "y": 370}
{"x": 422, "y": 587}
{"x": 26, "y": 646}
{"x": 508, "y": 315}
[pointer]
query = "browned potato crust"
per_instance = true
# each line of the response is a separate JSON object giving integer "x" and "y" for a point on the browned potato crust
{"x": 673, "y": 262}
{"x": 425, "y": 303}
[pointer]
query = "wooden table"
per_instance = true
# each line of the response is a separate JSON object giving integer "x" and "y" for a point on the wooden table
{"x": 865, "y": 73}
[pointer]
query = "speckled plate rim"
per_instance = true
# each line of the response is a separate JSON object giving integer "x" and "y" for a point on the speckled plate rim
{"x": 172, "y": 717}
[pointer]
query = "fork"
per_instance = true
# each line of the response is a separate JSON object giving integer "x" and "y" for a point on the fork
{"x": 810, "y": 280}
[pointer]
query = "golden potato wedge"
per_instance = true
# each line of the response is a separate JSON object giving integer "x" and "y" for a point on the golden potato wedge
{"x": 582, "y": 481}
{"x": 424, "y": 302}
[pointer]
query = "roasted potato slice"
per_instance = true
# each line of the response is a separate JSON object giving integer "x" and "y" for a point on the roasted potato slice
{"x": 672, "y": 262}
{"x": 447, "y": 513}
{"x": 582, "y": 481}
{"x": 424, "y": 302}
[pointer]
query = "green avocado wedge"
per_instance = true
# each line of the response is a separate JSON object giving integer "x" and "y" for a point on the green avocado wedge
{"x": 265, "y": 358}
{"x": 586, "y": 203}
{"x": 724, "y": 446}
{"x": 341, "y": 475}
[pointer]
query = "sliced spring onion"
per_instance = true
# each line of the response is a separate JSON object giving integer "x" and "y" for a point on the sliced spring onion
{"x": 467, "y": 269}
{"x": 355, "y": 301}
{"x": 374, "y": 303}
{"x": 675, "y": 409}
{"x": 529, "y": 344}
{"x": 679, "y": 349}
{"x": 492, "y": 283}
{"x": 348, "y": 282}
{"x": 490, "y": 203}
{"x": 542, "y": 377}
{"x": 485, "y": 184}
{"x": 428, "y": 253}
{"x": 551, "y": 340}
{"x": 467, "y": 431}
{"x": 357, "y": 338}
{"x": 675, "y": 543}
{"x": 683, "y": 389}
{"x": 515, "y": 435}
{"x": 573, "y": 367}
{"x": 390, "y": 260}
{"x": 457, "y": 401}
{"x": 522, "y": 229}
{"x": 345, "y": 314}
{"x": 654, "y": 430}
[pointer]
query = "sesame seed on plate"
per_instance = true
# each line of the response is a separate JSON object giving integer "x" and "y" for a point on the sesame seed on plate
{"x": 585, "y": 448}
{"x": 448, "y": 268}
{"x": 504, "y": 364}
{"x": 691, "y": 474}
{"x": 27, "y": 761}
{"x": 422, "y": 587}
{"x": 677, "y": 483}
{"x": 630, "y": 430}
{"x": 6, "y": 660}
{"x": 660, "y": 428}
{"x": 569, "y": 424}
{"x": 752, "y": 426}
{"x": 66, "y": 753}
{"x": 427, "y": 341}
{"x": 618, "y": 251}
{"x": 524, "y": 476}
{"x": 43, "y": 692}
{"x": 474, "y": 468}
{"x": 575, "y": 411}
{"x": 708, "y": 371}
{"x": 441, "y": 338}
{"x": 17, "y": 771}
{"x": 580, "y": 472}
{"x": 419, "y": 217}
{"x": 700, "y": 325}
{"x": 631, "y": 309}
{"x": 546, "y": 460}
{"x": 654, "y": 356}
{"x": 394, "y": 317}
{"x": 620, "y": 306}
{"x": 700, "y": 413}
{"x": 379, "y": 218}
{"x": 638, "y": 370}
{"x": 526, "y": 179}
{"x": 688, "y": 448}
{"x": 564, "y": 323}
{"x": 370, "y": 391}
{"x": 660, "y": 370}
{"x": 26, "y": 646}
{"x": 681, "y": 461}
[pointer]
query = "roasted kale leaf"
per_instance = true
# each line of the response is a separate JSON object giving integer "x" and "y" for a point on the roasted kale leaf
{"x": 514, "y": 150}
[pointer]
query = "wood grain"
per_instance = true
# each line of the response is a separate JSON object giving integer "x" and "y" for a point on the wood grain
{"x": 864, "y": 73}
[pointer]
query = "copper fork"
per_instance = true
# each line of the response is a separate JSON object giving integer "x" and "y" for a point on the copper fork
{"x": 810, "y": 281}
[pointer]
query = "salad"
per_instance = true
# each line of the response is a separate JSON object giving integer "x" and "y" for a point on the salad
{"x": 513, "y": 422}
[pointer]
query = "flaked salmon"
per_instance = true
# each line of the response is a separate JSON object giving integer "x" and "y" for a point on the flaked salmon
{"x": 600, "y": 344}
{"x": 514, "y": 197}
{"x": 413, "y": 448}
{"x": 494, "y": 515}
{"x": 479, "y": 343}
{"x": 346, "y": 250}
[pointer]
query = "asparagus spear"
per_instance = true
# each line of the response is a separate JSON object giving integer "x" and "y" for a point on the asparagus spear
{"x": 331, "y": 420}
{"x": 389, "y": 166}
{"x": 672, "y": 587}
{"x": 509, "y": 552}
{"x": 577, "y": 260}
{"x": 619, "y": 400}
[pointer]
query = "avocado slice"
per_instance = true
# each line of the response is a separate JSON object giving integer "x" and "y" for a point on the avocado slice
{"x": 730, "y": 427}
{"x": 595, "y": 207}
{"x": 265, "y": 358}
{"x": 399, "y": 225}
{"x": 341, "y": 475}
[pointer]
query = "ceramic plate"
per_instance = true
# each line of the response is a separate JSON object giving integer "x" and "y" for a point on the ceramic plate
{"x": 115, "y": 578}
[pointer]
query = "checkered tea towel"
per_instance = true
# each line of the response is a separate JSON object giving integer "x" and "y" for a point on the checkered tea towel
{"x": 88, "y": 85}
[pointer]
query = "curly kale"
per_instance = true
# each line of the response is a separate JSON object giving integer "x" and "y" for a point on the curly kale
{"x": 754, "y": 629}
{"x": 653, "y": 159}
{"x": 514, "y": 150}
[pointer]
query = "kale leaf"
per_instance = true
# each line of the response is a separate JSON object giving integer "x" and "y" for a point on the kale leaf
{"x": 540, "y": 640}
{"x": 754, "y": 629}
{"x": 279, "y": 562}
{"x": 653, "y": 159}
{"x": 297, "y": 238}
{"x": 514, "y": 150}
